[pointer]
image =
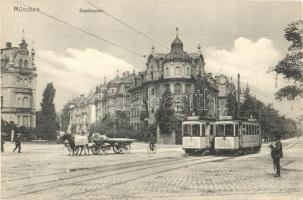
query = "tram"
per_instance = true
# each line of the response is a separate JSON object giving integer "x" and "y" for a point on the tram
{"x": 241, "y": 136}
{"x": 198, "y": 134}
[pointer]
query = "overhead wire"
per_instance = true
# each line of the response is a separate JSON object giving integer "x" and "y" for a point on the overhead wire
{"x": 84, "y": 31}
{"x": 129, "y": 26}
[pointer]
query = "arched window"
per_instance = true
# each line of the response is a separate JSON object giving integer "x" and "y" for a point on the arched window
{"x": 25, "y": 63}
{"x": 177, "y": 71}
{"x": 177, "y": 88}
{"x": 19, "y": 102}
{"x": 20, "y": 62}
{"x": 166, "y": 71}
{"x": 25, "y": 102}
{"x": 187, "y": 73}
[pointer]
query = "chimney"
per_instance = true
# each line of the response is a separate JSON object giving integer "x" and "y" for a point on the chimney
{"x": 8, "y": 45}
{"x": 127, "y": 73}
{"x": 124, "y": 74}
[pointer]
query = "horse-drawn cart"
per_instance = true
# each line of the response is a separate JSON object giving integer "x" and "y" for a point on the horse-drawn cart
{"x": 103, "y": 145}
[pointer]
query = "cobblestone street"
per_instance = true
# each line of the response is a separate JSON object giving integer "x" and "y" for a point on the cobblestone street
{"x": 46, "y": 172}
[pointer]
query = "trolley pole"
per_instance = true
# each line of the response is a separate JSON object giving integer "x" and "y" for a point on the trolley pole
{"x": 239, "y": 91}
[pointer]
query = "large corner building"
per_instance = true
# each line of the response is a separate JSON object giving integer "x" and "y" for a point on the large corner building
{"x": 18, "y": 85}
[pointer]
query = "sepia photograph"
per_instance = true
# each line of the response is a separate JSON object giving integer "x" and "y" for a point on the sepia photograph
{"x": 151, "y": 100}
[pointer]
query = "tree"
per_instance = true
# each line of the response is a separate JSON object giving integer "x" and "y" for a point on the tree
{"x": 165, "y": 114}
{"x": 46, "y": 119}
{"x": 232, "y": 103}
{"x": 248, "y": 106}
{"x": 291, "y": 65}
{"x": 65, "y": 118}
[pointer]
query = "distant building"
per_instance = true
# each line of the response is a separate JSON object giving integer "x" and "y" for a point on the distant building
{"x": 225, "y": 86}
{"x": 18, "y": 84}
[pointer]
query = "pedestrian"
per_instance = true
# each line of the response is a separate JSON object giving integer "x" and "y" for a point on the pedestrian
{"x": 152, "y": 141}
{"x": 2, "y": 143}
{"x": 18, "y": 143}
{"x": 276, "y": 154}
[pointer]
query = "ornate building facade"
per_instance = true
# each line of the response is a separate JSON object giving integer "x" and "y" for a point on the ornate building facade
{"x": 18, "y": 84}
{"x": 177, "y": 72}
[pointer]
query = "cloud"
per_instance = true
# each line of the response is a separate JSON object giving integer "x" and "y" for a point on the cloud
{"x": 248, "y": 58}
{"x": 252, "y": 60}
{"x": 78, "y": 70}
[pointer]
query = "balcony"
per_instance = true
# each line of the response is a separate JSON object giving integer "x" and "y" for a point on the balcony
{"x": 24, "y": 90}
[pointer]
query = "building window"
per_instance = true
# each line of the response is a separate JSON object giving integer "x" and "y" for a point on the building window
{"x": 25, "y": 63}
{"x": 166, "y": 71}
{"x": 25, "y": 83}
{"x": 19, "y": 102}
{"x": 19, "y": 120}
{"x": 20, "y": 62}
{"x": 25, "y": 121}
{"x": 187, "y": 88}
{"x": 187, "y": 73}
{"x": 177, "y": 88}
{"x": 1, "y": 102}
{"x": 177, "y": 72}
{"x": 25, "y": 102}
{"x": 152, "y": 91}
{"x": 167, "y": 87}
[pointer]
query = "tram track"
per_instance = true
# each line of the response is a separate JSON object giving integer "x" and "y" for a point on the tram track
{"x": 113, "y": 172}
{"x": 76, "y": 169}
{"x": 167, "y": 163}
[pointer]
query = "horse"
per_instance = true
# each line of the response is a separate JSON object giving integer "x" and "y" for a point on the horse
{"x": 75, "y": 143}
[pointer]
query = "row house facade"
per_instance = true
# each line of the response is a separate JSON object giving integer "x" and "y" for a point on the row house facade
{"x": 18, "y": 84}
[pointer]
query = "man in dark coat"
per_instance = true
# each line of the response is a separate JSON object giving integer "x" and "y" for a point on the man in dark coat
{"x": 276, "y": 154}
{"x": 18, "y": 143}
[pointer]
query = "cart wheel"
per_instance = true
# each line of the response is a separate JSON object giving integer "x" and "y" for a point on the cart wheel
{"x": 104, "y": 149}
{"x": 95, "y": 149}
{"x": 126, "y": 148}
{"x": 117, "y": 148}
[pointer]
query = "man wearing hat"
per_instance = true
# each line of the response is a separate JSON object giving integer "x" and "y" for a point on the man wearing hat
{"x": 18, "y": 143}
{"x": 276, "y": 154}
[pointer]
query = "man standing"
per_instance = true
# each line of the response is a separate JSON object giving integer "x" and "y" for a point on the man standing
{"x": 18, "y": 143}
{"x": 276, "y": 154}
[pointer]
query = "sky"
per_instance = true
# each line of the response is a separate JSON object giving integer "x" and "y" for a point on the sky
{"x": 243, "y": 37}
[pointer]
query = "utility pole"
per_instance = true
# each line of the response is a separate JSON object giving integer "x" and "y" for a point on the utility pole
{"x": 239, "y": 91}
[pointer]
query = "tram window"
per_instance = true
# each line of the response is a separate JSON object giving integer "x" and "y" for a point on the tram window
{"x": 244, "y": 129}
{"x": 247, "y": 129}
{"x": 220, "y": 130}
{"x": 237, "y": 130}
{"x": 250, "y": 130}
{"x": 203, "y": 130}
{"x": 257, "y": 130}
{"x": 229, "y": 130}
{"x": 196, "y": 129}
{"x": 254, "y": 130}
{"x": 186, "y": 130}
{"x": 211, "y": 131}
